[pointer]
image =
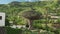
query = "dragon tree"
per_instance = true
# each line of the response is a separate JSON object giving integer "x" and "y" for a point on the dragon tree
{"x": 31, "y": 15}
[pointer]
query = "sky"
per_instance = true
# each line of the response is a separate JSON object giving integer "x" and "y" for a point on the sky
{"x": 8, "y": 1}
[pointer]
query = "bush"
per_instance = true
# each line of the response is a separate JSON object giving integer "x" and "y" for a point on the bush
{"x": 13, "y": 31}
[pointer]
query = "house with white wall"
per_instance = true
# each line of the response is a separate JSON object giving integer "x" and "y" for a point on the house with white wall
{"x": 2, "y": 19}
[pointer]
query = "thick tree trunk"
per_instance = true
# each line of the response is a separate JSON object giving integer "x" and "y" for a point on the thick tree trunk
{"x": 30, "y": 24}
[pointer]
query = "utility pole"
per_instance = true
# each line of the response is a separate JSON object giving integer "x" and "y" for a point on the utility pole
{"x": 47, "y": 18}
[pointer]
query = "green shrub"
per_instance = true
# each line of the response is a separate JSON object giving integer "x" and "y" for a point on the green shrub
{"x": 13, "y": 31}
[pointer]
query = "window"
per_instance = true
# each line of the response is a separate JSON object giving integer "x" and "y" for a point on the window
{"x": 0, "y": 17}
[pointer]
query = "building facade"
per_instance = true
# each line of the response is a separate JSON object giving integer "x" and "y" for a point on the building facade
{"x": 2, "y": 19}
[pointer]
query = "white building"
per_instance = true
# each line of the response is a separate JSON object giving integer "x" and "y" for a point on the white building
{"x": 18, "y": 26}
{"x": 2, "y": 19}
{"x": 56, "y": 17}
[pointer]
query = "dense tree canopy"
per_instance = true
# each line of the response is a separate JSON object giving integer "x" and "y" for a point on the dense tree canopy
{"x": 13, "y": 9}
